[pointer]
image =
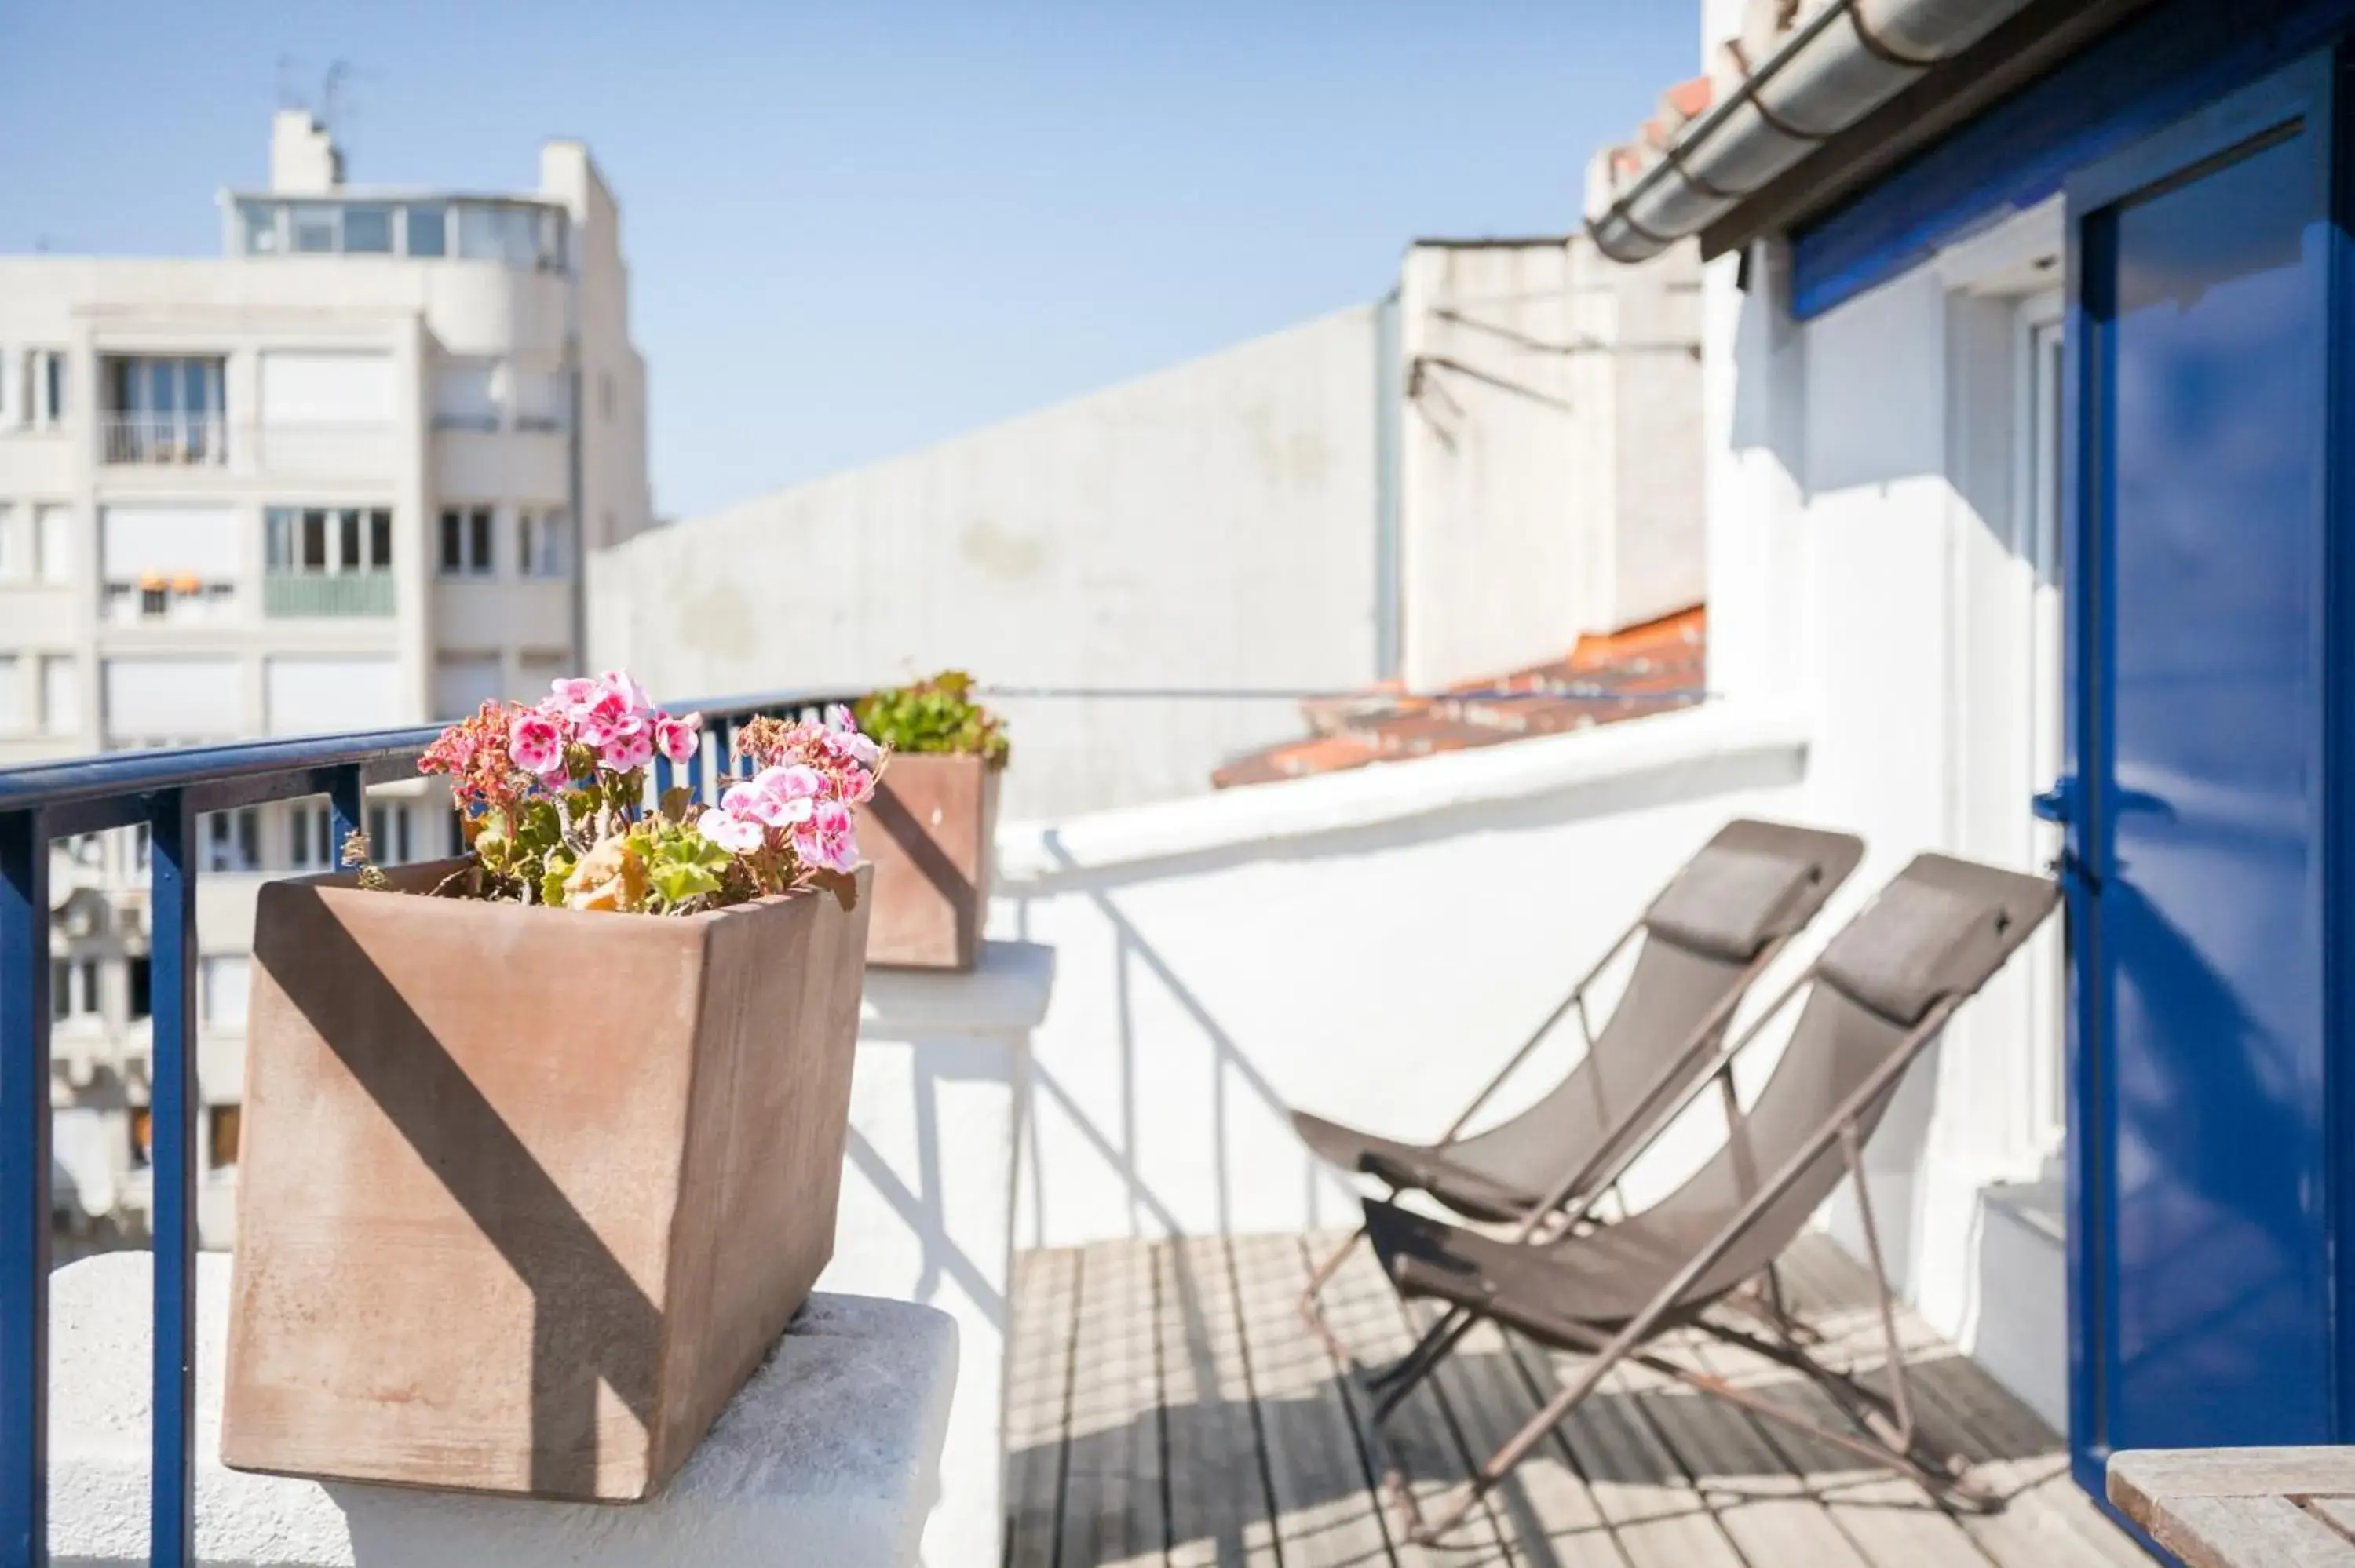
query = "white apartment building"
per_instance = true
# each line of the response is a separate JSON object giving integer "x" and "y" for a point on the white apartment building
{"x": 340, "y": 477}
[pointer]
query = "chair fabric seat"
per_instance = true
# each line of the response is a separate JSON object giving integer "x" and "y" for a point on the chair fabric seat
{"x": 1570, "y": 1294}
{"x": 1415, "y": 1167}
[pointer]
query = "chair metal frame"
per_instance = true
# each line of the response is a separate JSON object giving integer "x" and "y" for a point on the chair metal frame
{"x": 1892, "y": 1438}
{"x": 1577, "y": 1185}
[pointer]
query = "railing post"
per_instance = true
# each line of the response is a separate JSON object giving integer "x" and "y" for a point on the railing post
{"x": 172, "y": 1112}
{"x": 347, "y": 806}
{"x": 23, "y": 1189}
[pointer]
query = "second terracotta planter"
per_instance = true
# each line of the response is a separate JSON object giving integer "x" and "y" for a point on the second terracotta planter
{"x": 528, "y": 1193}
{"x": 929, "y": 831}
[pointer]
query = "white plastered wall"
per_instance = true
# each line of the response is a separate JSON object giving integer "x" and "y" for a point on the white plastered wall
{"x": 1860, "y": 476}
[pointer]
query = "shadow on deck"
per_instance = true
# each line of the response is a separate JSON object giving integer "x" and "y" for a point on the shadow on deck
{"x": 1166, "y": 1404}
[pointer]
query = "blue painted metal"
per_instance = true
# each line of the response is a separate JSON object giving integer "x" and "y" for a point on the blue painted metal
{"x": 167, "y": 789}
{"x": 172, "y": 1073}
{"x": 2166, "y": 64}
{"x": 2203, "y": 1232}
{"x": 24, "y": 1187}
{"x": 347, "y": 811}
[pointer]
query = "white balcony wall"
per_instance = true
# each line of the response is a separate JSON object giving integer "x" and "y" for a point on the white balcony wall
{"x": 173, "y": 698}
{"x": 463, "y": 397}
{"x": 169, "y": 541}
{"x": 462, "y": 685}
{"x": 324, "y": 412}
{"x": 310, "y": 386}
{"x": 1369, "y": 945}
{"x": 325, "y": 696}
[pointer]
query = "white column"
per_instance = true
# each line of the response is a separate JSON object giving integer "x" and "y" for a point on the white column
{"x": 936, "y": 1117}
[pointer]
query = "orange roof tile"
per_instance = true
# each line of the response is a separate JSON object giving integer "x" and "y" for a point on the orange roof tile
{"x": 1657, "y": 666}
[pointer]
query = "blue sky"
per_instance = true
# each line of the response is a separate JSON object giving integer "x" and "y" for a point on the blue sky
{"x": 857, "y": 228}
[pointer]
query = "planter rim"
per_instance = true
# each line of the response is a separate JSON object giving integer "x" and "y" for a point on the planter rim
{"x": 998, "y": 766}
{"x": 338, "y": 884}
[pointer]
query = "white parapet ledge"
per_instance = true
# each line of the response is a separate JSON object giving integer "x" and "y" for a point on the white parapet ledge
{"x": 830, "y": 1455}
{"x": 1032, "y": 855}
{"x": 1005, "y": 994}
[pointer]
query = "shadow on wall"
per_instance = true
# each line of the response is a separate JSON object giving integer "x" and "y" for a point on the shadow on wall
{"x": 921, "y": 1208}
{"x": 1171, "y": 1069}
{"x": 593, "y": 1329}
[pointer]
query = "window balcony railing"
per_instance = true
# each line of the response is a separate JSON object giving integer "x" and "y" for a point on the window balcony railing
{"x": 165, "y": 790}
{"x": 294, "y": 596}
{"x": 186, "y": 440}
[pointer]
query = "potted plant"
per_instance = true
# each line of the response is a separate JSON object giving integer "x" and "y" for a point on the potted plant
{"x": 544, "y": 1141}
{"x": 930, "y": 826}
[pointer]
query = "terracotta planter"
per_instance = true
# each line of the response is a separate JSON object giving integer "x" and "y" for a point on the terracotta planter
{"x": 527, "y": 1192}
{"x": 929, "y": 830}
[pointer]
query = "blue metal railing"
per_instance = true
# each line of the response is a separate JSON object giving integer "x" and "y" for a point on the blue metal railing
{"x": 165, "y": 790}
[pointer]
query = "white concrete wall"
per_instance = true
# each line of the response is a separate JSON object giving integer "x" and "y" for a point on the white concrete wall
{"x": 1209, "y": 526}
{"x": 1860, "y": 482}
{"x": 1367, "y": 944}
{"x": 927, "y": 1211}
{"x": 1550, "y": 469}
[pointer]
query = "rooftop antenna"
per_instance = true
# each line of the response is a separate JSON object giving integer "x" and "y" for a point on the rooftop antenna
{"x": 331, "y": 94}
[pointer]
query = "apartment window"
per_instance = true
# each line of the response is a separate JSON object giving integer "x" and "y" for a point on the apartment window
{"x": 164, "y": 409}
{"x": 466, "y": 394}
{"x": 223, "y": 1127}
{"x": 73, "y": 989}
{"x": 326, "y": 540}
{"x": 315, "y": 229}
{"x": 368, "y": 231}
{"x": 606, "y": 394}
{"x": 45, "y": 386}
{"x": 428, "y": 231}
{"x": 543, "y": 544}
{"x": 143, "y": 1137}
{"x": 233, "y": 840}
{"x": 53, "y": 542}
{"x": 139, "y": 974}
{"x": 466, "y": 541}
{"x": 505, "y": 234}
{"x": 143, "y": 847}
{"x": 260, "y": 222}
{"x": 61, "y": 696}
{"x": 16, "y": 557}
{"x": 309, "y": 847}
{"x": 225, "y": 980}
{"x": 388, "y": 831}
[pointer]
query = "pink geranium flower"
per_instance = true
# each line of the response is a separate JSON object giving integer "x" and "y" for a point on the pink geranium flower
{"x": 677, "y": 738}
{"x": 573, "y": 694}
{"x": 792, "y": 781}
{"x": 737, "y": 835}
{"x": 536, "y": 741}
{"x": 829, "y": 840}
{"x": 844, "y": 739}
{"x": 627, "y": 751}
{"x": 624, "y": 688}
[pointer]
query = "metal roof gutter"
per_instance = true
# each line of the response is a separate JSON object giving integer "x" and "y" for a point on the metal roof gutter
{"x": 1837, "y": 67}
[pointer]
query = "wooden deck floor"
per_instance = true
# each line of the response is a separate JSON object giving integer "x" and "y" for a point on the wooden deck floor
{"x": 1167, "y": 1406}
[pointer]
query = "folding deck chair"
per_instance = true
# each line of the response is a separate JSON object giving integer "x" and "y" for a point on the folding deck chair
{"x": 1706, "y": 937}
{"x": 1878, "y": 997}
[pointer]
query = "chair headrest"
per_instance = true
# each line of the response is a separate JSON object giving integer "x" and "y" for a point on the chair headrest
{"x": 1940, "y": 928}
{"x": 1751, "y": 882}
